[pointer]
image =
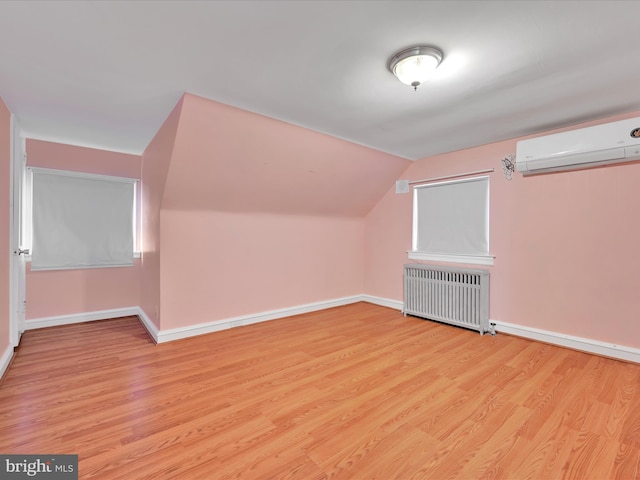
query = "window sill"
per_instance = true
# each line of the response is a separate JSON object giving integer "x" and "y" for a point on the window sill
{"x": 452, "y": 258}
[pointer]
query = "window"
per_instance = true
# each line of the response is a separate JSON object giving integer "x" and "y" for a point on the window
{"x": 80, "y": 220}
{"x": 451, "y": 222}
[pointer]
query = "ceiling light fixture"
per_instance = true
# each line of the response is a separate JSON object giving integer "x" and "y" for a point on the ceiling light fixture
{"x": 415, "y": 65}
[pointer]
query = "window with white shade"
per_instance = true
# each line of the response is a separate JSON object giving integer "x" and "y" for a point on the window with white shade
{"x": 451, "y": 221}
{"x": 80, "y": 220}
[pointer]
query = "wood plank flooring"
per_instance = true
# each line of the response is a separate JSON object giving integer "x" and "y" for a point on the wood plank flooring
{"x": 355, "y": 392}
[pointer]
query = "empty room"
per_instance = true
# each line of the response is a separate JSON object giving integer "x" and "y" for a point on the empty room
{"x": 320, "y": 240}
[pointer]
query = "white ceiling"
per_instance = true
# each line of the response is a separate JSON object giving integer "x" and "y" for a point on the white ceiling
{"x": 107, "y": 74}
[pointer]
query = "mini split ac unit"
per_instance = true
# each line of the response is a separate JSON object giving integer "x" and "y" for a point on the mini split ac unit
{"x": 614, "y": 142}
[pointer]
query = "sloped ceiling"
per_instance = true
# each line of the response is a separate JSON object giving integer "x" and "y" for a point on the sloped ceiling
{"x": 106, "y": 74}
{"x": 227, "y": 159}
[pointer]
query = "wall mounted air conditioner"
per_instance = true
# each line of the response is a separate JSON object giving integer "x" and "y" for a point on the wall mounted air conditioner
{"x": 614, "y": 142}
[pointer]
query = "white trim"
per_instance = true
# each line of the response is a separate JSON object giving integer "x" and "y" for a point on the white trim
{"x": 456, "y": 175}
{"x": 17, "y": 265}
{"x": 148, "y": 324}
{"x": 5, "y": 360}
{"x": 451, "y": 258}
{"x": 136, "y": 255}
{"x": 14, "y": 283}
{"x": 77, "y": 174}
{"x": 80, "y": 317}
{"x": 383, "y": 302}
{"x": 217, "y": 325}
{"x": 596, "y": 347}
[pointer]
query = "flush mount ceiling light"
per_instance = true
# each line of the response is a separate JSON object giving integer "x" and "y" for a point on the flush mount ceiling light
{"x": 415, "y": 65}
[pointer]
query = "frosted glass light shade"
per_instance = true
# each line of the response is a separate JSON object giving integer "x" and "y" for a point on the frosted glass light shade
{"x": 416, "y": 69}
{"x": 415, "y": 65}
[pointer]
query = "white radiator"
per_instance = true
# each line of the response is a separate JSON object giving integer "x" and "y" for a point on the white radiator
{"x": 457, "y": 296}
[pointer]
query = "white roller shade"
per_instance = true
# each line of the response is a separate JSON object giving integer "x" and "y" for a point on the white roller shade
{"x": 81, "y": 220}
{"x": 452, "y": 217}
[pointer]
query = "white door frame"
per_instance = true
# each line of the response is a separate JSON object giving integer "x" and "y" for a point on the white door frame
{"x": 17, "y": 262}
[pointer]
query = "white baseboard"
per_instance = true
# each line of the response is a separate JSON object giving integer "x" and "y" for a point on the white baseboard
{"x": 383, "y": 302}
{"x": 5, "y": 359}
{"x": 160, "y": 336}
{"x": 217, "y": 325}
{"x": 148, "y": 324}
{"x": 597, "y": 347}
{"x": 80, "y": 317}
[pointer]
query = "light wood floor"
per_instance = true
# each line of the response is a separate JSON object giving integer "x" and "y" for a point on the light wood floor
{"x": 356, "y": 392}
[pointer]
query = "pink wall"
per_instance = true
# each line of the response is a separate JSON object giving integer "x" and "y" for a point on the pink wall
{"x": 565, "y": 244}
{"x": 5, "y": 185}
{"x": 155, "y": 165}
{"x": 65, "y": 292}
{"x": 68, "y": 157}
{"x": 229, "y": 195}
{"x": 217, "y": 265}
{"x": 258, "y": 214}
{"x": 228, "y": 159}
